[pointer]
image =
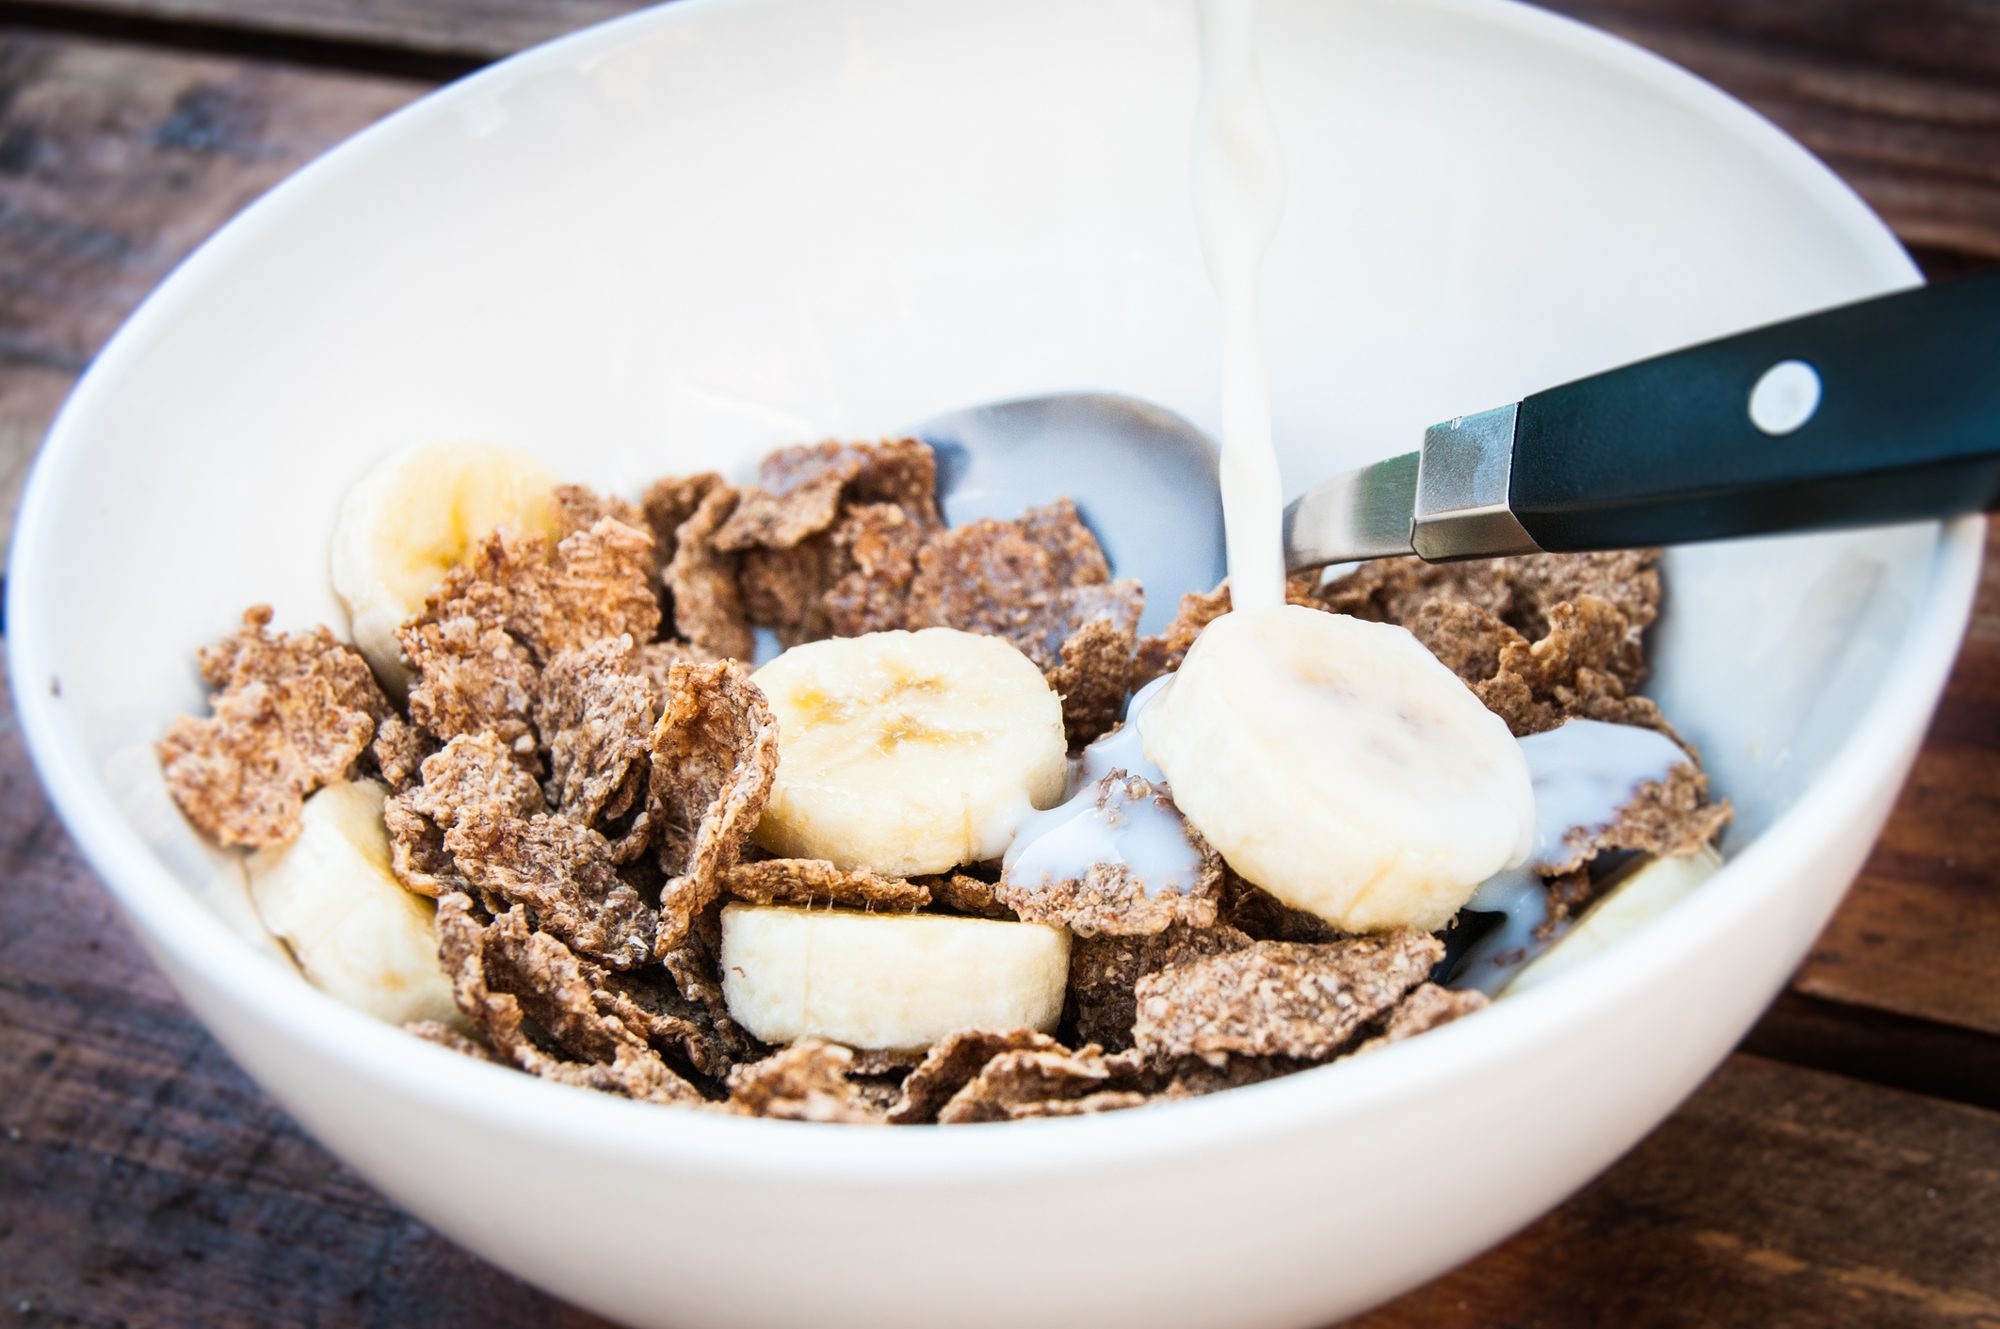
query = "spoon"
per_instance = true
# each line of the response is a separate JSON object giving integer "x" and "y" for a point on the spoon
{"x": 1882, "y": 411}
{"x": 1144, "y": 481}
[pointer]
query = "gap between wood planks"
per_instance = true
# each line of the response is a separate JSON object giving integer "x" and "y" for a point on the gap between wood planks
{"x": 310, "y": 50}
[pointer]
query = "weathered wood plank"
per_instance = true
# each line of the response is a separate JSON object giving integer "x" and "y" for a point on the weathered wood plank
{"x": 1901, "y": 99}
{"x": 1779, "y": 1198}
{"x": 144, "y": 1181}
{"x": 115, "y": 162}
{"x": 480, "y": 29}
{"x": 168, "y": 1191}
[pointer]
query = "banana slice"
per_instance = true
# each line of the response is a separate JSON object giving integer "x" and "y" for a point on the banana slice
{"x": 412, "y": 519}
{"x": 887, "y": 980}
{"x": 1642, "y": 894}
{"x": 330, "y": 897}
{"x": 1337, "y": 764}
{"x": 908, "y": 752}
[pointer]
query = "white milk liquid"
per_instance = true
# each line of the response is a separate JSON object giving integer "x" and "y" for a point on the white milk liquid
{"x": 1100, "y": 824}
{"x": 1583, "y": 771}
{"x": 1239, "y": 194}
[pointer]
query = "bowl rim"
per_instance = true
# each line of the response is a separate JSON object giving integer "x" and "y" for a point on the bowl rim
{"x": 172, "y": 920}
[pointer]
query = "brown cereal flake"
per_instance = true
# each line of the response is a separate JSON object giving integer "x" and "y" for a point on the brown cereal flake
{"x": 1626, "y": 579}
{"x": 1106, "y": 1100}
{"x": 669, "y": 502}
{"x": 1523, "y": 593}
{"x": 875, "y": 547}
{"x": 599, "y": 584}
{"x": 447, "y": 1037}
{"x": 561, "y": 870}
{"x": 1006, "y": 578}
{"x": 255, "y": 654}
{"x": 702, "y": 577}
{"x": 966, "y": 894}
{"x": 656, "y": 660}
{"x": 807, "y": 1081}
{"x": 797, "y": 495}
{"x": 902, "y": 471}
{"x": 1567, "y": 894}
{"x": 470, "y": 678}
{"x": 1392, "y": 590}
{"x": 472, "y": 957}
{"x": 695, "y": 968}
{"x": 714, "y": 757}
{"x": 1573, "y": 672}
{"x": 417, "y": 854}
{"x": 1036, "y": 1081}
{"x": 799, "y": 490}
{"x": 1041, "y": 583}
{"x": 398, "y": 750}
{"x": 1667, "y": 818}
{"x": 472, "y": 769}
{"x": 1110, "y": 898}
{"x": 1277, "y": 998}
{"x": 1196, "y": 1077}
{"x": 887, "y": 1063}
{"x": 1427, "y": 1007}
{"x": 584, "y": 1008}
{"x": 951, "y": 1064}
{"x": 596, "y": 582}
{"x": 1265, "y": 917}
{"x": 595, "y": 713}
{"x": 786, "y": 589}
{"x": 1093, "y": 678}
{"x": 579, "y": 507}
{"x": 1075, "y": 557}
{"x": 1105, "y": 970}
{"x": 807, "y": 882}
{"x": 294, "y": 711}
{"x": 1468, "y": 640}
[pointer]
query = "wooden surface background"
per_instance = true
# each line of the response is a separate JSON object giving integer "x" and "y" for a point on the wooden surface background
{"x": 1843, "y": 1168}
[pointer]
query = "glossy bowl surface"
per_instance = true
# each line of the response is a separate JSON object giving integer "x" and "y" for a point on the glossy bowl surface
{"x": 678, "y": 239}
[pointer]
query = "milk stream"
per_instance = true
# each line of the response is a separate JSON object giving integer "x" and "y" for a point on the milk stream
{"x": 1239, "y": 195}
{"x": 1583, "y": 773}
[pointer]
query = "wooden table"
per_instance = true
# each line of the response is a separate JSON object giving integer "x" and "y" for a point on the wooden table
{"x": 1842, "y": 1168}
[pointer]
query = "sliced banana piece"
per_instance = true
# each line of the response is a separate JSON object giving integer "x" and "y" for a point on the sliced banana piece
{"x": 887, "y": 980}
{"x": 1337, "y": 764}
{"x": 412, "y": 519}
{"x": 330, "y": 897}
{"x": 909, "y": 752}
{"x": 1638, "y": 896}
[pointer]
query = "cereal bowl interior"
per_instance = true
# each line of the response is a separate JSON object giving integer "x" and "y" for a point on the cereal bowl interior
{"x": 680, "y": 239}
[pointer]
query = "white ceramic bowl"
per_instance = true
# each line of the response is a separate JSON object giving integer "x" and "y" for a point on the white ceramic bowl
{"x": 675, "y": 240}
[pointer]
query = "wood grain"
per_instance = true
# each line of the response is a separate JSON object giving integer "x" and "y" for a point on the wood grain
{"x": 475, "y": 29}
{"x": 1900, "y": 99}
{"x": 1778, "y": 1197}
{"x": 115, "y": 162}
{"x": 143, "y": 1181}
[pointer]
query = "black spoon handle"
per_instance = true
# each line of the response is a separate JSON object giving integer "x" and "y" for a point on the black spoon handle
{"x": 1871, "y": 413}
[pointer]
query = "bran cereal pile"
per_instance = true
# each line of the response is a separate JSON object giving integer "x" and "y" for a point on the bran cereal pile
{"x": 582, "y": 757}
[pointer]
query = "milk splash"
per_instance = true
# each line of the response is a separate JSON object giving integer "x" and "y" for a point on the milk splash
{"x": 1239, "y": 195}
